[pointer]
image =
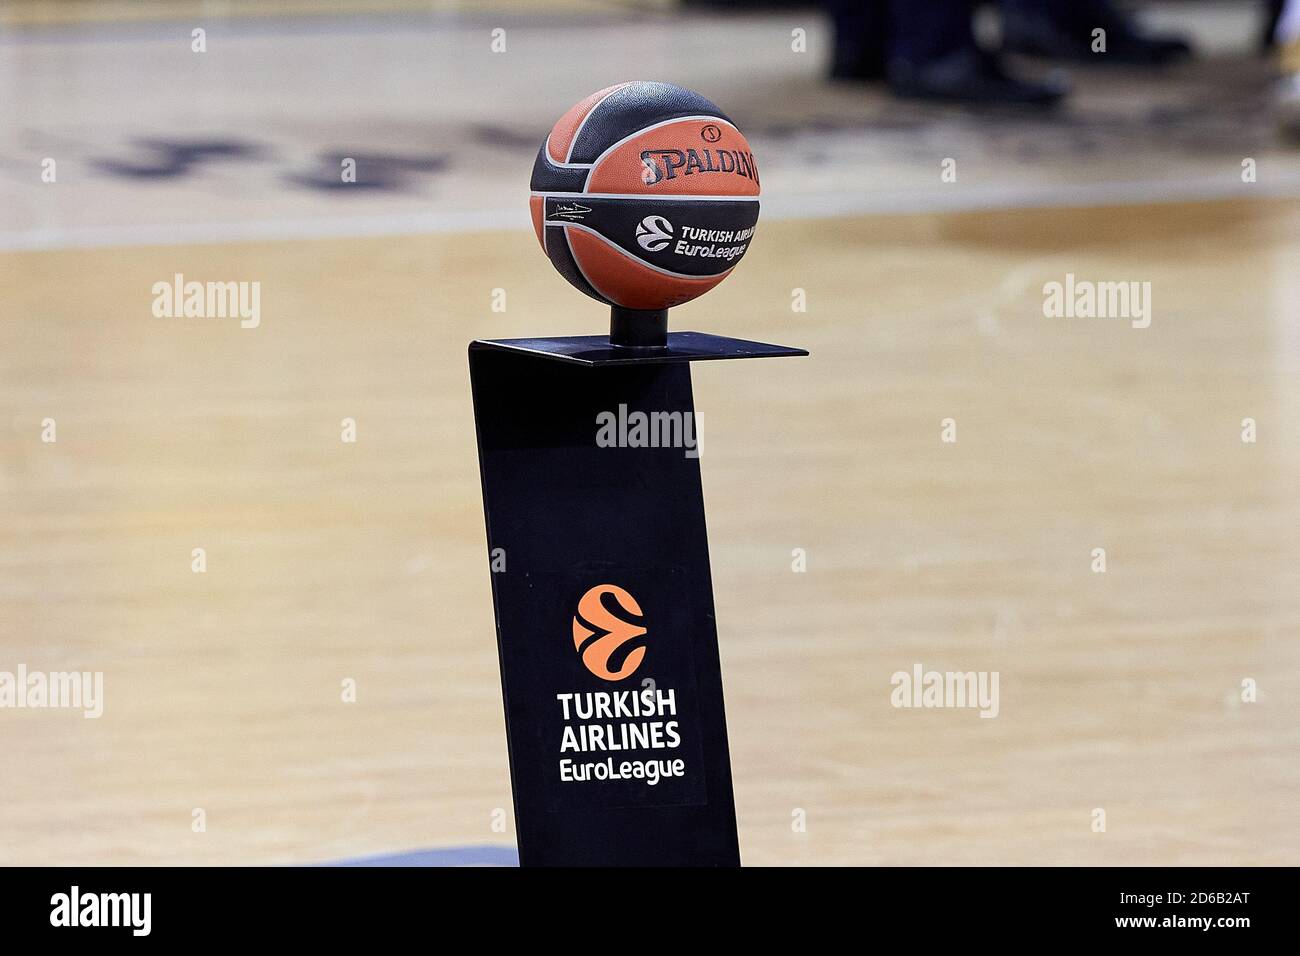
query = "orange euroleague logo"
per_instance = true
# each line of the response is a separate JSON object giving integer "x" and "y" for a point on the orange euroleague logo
{"x": 594, "y": 618}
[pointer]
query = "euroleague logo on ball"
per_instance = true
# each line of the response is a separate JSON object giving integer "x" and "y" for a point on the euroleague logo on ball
{"x": 595, "y": 618}
{"x": 654, "y": 233}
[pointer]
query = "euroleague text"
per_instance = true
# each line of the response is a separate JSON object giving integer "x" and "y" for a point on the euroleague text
{"x": 708, "y": 243}
{"x": 633, "y": 720}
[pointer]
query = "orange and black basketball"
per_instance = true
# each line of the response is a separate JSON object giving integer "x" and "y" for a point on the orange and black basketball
{"x": 645, "y": 195}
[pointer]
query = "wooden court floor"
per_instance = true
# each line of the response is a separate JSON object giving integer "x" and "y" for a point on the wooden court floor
{"x": 330, "y": 561}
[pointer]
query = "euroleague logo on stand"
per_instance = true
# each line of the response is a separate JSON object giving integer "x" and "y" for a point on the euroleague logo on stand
{"x": 645, "y": 195}
{"x": 654, "y": 233}
{"x": 595, "y": 618}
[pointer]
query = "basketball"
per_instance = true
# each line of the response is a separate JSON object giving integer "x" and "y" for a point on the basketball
{"x": 645, "y": 195}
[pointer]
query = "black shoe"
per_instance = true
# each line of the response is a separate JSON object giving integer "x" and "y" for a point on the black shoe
{"x": 861, "y": 39}
{"x": 858, "y": 68}
{"x": 969, "y": 76}
{"x": 1040, "y": 34}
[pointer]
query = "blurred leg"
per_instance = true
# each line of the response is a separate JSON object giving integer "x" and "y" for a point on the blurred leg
{"x": 1287, "y": 35}
{"x": 1064, "y": 29}
{"x": 1287, "y": 38}
{"x": 1271, "y": 18}
{"x": 932, "y": 54}
{"x": 928, "y": 31}
{"x": 861, "y": 29}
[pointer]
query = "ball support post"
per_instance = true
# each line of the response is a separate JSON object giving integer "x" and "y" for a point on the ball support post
{"x": 638, "y": 328}
{"x": 564, "y": 516}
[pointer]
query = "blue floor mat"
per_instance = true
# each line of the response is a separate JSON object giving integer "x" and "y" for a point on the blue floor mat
{"x": 446, "y": 856}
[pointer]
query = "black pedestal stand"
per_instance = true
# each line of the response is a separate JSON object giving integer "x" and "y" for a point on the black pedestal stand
{"x": 602, "y": 591}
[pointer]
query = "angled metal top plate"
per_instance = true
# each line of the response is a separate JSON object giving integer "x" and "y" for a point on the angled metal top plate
{"x": 595, "y": 350}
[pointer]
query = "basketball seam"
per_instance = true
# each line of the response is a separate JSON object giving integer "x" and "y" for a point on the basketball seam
{"x": 568, "y": 156}
{"x": 583, "y": 272}
{"x": 635, "y": 258}
{"x": 546, "y": 151}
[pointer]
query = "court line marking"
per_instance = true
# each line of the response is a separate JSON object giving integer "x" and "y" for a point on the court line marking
{"x": 776, "y": 207}
{"x": 325, "y": 23}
